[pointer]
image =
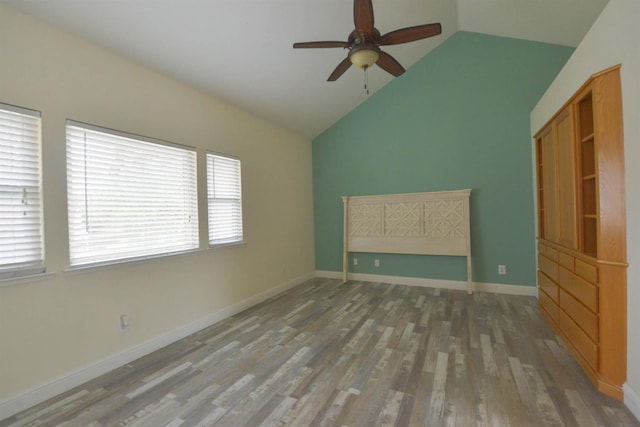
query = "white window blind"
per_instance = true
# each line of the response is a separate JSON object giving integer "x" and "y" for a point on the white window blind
{"x": 128, "y": 196}
{"x": 224, "y": 193}
{"x": 21, "y": 242}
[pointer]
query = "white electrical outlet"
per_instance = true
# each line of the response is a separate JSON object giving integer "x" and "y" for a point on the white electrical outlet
{"x": 376, "y": 263}
{"x": 124, "y": 322}
{"x": 355, "y": 261}
{"x": 502, "y": 269}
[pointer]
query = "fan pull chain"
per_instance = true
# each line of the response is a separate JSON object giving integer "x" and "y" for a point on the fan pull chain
{"x": 366, "y": 80}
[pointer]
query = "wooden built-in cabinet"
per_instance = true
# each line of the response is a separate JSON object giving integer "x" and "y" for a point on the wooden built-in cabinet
{"x": 582, "y": 230}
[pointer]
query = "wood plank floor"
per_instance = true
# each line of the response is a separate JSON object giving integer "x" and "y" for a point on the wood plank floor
{"x": 360, "y": 354}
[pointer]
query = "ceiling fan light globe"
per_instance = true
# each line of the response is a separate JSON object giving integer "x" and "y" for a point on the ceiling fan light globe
{"x": 364, "y": 58}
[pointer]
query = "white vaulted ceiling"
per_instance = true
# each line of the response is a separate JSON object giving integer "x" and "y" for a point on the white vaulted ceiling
{"x": 241, "y": 50}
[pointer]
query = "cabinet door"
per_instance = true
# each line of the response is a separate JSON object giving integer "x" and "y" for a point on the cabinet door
{"x": 550, "y": 182}
{"x": 567, "y": 218}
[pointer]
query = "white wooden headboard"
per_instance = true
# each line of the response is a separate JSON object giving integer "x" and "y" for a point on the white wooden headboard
{"x": 435, "y": 223}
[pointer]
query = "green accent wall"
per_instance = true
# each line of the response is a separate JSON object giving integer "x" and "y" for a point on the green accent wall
{"x": 458, "y": 118}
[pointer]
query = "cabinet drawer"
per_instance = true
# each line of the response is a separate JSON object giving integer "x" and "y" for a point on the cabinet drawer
{"x": 548, "y": 306}
{"x": 548, "y": 267}
{"x": 551, "y": 253}
{"x": 548, "y": 251}
{"x": 585, "y": 318}
{"x": 579, "y": 339}
{"x": 582, "y": 290}
{"x": 548, "y": 286}
{"x": 587, "y": 271}
{"x": 566, "y": 261}
{"x": 542, "y": 248}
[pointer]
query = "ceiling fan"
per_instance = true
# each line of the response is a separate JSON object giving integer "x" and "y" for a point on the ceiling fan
{"x": 364, "y": 42}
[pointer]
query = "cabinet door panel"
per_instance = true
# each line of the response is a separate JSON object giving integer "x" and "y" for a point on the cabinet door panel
{"x": 550, "y": 183}
{"x": 568, "y": 224}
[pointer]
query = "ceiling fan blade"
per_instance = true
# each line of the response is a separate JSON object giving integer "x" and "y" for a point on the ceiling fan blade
{"x": 340, "y": 69}
{"x": 363, "y": 16}
{"x": 316, "y": 45}
{"x": 389, "y": 64}
{"x": 405, "y": 35}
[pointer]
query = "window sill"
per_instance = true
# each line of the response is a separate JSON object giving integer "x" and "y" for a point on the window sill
{"x": 86, "y": 268}
{"x": 222, "y": 245}
{"x": 38, "y": 277}
{"x": 97, "y": 266}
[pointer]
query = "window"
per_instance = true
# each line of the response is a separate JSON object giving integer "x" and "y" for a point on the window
{"x": 224, "y": 193}
{"x": 21, "y": 241}
{"x": 128, "y": 196}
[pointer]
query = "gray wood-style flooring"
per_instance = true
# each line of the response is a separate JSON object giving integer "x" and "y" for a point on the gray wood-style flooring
{"x": 360, "y": 354}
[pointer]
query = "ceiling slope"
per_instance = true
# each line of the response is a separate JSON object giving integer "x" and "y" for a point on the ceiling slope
{"x": 241, "y": 50}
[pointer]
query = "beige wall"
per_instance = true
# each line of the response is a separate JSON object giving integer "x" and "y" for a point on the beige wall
{"x": 51, "y": 327}
{"x": 612, "y": 40}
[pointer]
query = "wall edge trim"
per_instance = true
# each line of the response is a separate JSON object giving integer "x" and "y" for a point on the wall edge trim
{"x": 66, "y": 382}
{"x": 457, "y": 285}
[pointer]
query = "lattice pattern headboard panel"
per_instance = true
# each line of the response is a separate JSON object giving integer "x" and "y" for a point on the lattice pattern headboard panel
{"x": 434, "y": 223}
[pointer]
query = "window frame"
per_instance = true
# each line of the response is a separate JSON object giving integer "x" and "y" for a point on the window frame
{"x": 121, "y": 257}
{"x": 238, "y": 239}
{"x": 17, "y": 270}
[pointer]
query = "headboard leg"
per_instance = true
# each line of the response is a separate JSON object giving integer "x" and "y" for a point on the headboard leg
{"x": 469, "y": 280}
{"x": 345, "y": 238}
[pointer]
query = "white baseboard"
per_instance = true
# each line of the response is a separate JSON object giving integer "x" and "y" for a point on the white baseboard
{"x": 631, "y": 400}
{"x": 75, "y": 378}
{"x": 458, "y": 285}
